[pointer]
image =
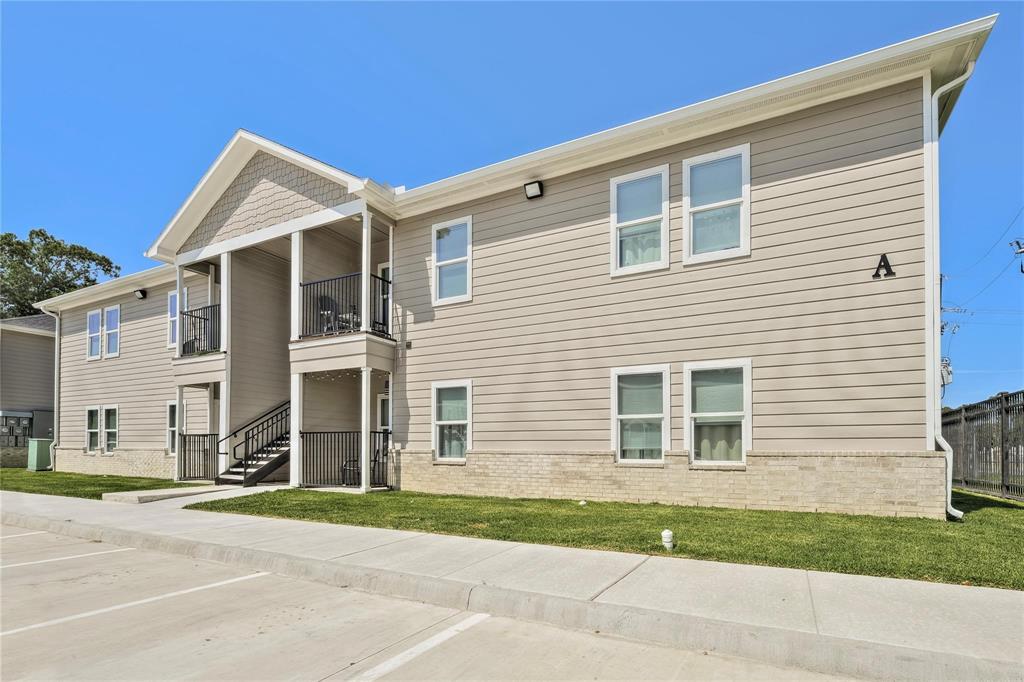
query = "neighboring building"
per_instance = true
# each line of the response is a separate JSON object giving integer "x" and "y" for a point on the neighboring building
{"x": 26, "y": 385}
{"x": 734, "y": 303}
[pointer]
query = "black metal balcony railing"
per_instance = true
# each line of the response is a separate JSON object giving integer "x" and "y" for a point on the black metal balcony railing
{"x": 333, "y": 306}
{"x": 332, "y": 458}
{"x": 200, "y": 330}
{"x": 197, "y": 457}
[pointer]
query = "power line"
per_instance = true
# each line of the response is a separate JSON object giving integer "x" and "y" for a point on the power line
{"x": 994, "y": 244}
{"x": 990, "y": 283}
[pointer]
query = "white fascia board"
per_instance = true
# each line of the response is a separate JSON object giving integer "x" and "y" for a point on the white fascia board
{"x": 225, "y": 168}
{"x": 161, "y": 274}
{"x": 25, "y": 330}
{"x": 743, "y": 106}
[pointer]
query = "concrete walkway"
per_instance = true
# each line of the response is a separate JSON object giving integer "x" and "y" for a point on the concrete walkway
{"x": 861, "y": 626}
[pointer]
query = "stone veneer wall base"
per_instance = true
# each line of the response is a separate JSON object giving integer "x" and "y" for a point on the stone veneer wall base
{"x": 148, "y": 463}
{"x": 876, "y": 483}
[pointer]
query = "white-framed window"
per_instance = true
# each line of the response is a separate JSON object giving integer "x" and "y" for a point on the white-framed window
{"x": 172, "y": 424}
{"x": 110, "y": 419}
{"x": 716, "y": 205}
{"x": 383, "y": 412}
{"x": 641, "y": 423}
{"x": 94, "y": 334}
{"x": 172, "y": 314}
{"x": 92, "y": 429}
{"x": 718, "y": 410}
{"x": 101, "y": 428}
{"x": 639, "y": 221}
{"x": 452, "y": 254}
{"x": 112, "y": 331}
{"x": 452, "y": 418}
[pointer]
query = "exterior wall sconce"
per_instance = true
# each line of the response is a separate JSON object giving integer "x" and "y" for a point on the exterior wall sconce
{"x": 534, "y": 189}
{"x": 140, "y": 294}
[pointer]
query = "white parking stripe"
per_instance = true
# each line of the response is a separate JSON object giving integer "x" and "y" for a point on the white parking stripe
{"x": 421, "y": 648}
{"x": 66, "y": 558}
{"x": 21, "y": 535}
{"x": 149, "y": 600}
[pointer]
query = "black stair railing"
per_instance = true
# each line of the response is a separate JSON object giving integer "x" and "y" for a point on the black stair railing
{"x": 200, "y": 330}
{"x": 331, "y": 458}
{"x": 197, "y": 456}
{"x": 273, "y": 431}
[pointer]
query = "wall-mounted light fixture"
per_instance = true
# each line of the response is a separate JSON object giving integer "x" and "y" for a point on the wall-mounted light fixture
{"x": 140, "y": 294}
{"x": 534, "y": 189}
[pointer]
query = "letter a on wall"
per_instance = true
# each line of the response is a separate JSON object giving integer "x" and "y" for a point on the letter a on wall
{"x": 883, "y": 266}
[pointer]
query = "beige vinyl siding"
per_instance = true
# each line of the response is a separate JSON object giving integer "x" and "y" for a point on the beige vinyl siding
{"x": 838, "y": 358}
{"x": 260, "y": 329}
{"x": 139, "y": 381}
{"x": 327, "y": 254}
{"x": 332, "y": 404}
{"x": 26, "y": 371}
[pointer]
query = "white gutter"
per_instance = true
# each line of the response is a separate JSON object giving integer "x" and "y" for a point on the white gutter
{"x": 56, "y": 387}
{"x": 934, "y": 180}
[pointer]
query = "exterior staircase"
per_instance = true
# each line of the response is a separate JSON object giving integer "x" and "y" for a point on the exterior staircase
{"x": 262, "y": 448}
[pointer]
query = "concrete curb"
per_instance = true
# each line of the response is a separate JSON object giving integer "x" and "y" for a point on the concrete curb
{"x": 778, "y": 646}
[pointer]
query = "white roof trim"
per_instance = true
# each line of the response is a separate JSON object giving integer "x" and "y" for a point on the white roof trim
{"x": 25, "y": 330}
{"x": 225, "y": 168}
{"x": 118, "y": 286}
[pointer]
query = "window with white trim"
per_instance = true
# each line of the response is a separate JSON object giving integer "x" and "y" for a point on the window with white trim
{"x": 639, "y": 221}
{"x": 452, "y": 251}
{"x": 110, "y": 419}
{"x": 172, "y": 426}
{"x": 716, "y": 205}
{"x": 452, "y": 429}
{"x": 383, "y": 412}
{"x": 172, "y": 314}
{"x": 92, "y": 429}
{"x": 718, "y": 405}
{"x": 640, "y": 412}
{"x": 93, "y": 334}
{"x": 112, "y": 331}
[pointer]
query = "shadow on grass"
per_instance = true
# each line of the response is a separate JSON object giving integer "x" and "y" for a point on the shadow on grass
{"x": 973, "y": 502}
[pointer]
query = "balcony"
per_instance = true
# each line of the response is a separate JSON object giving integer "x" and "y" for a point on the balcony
{"x": 331, "y": 458}
{"x": 333, "y": 306}
{"x": 200, "y": 331}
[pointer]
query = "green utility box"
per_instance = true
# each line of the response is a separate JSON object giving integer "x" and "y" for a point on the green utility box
{"x": 39, "y": 454}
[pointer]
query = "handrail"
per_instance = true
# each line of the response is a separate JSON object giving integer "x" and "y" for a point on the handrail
{"x": 249, "y": 423}
{"x": 328, "y": 279}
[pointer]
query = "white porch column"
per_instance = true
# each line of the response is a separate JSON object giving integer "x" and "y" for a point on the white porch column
{"x": 296, "y": 281}
{"x": 225, "y": 303}
{"x": 223, "y": 424}
{"x": 364, "y": 315}
{"x": 179, "y": 276}
{"x": 391, "y": 276}
{"x": 179, "y": 418}
{"x": 364, "y": 432}
{"x": 295, "y": 435}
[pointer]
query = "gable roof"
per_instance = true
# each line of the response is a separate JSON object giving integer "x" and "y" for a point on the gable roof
{"x": 112, "y": 287}
{"x": 225, "y": 168}
{"x": 943, "y": 55}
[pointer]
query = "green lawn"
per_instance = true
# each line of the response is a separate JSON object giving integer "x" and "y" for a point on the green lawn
{"x": 986, "y": 549}
{"x": 77, "y": 485}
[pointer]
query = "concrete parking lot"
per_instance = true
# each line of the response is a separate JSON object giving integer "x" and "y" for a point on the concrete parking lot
{"x": 74, "y": 609}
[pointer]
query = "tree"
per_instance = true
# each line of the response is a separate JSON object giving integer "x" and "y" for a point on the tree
{"x": 43, "y": 266}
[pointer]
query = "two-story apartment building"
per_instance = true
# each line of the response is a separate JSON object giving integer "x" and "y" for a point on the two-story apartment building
{"x": 26, "y": 385}
{"x": 734, "y": 303}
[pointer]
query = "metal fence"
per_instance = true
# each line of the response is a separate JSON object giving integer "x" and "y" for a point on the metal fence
{"x": 988, "y": 444}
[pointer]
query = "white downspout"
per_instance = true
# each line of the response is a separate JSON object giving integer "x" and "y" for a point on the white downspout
{"x": 56, "y": 387}
{"x": 934, "y": 180}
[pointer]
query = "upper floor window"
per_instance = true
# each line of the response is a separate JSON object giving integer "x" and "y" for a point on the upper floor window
{"x": 640, "y": 412}
{"x": 453, "y": 261}
{"x": 716, "y": 205}
{"x": 639, "y": 221}
{"x": 112, "y": 331}
{"x": 718, "y": 417}
{"x": 93, "y": 334}
{"x": 172, "y": 314}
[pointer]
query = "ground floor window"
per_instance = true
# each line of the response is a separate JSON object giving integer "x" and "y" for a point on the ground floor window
{"x": 452, "y": 410}
{"x": 109, "y": 428}
{"x": 383, "y": 412}
{"x": 718, "y": 419}
{"x": 92, "y": 429}
{"x": 101, "y": 428}
{"x": 172, "y": 426}
{"x": 640, "y": 412}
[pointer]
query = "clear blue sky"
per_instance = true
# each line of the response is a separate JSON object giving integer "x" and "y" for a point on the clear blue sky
{"x": 112, "y": 112}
